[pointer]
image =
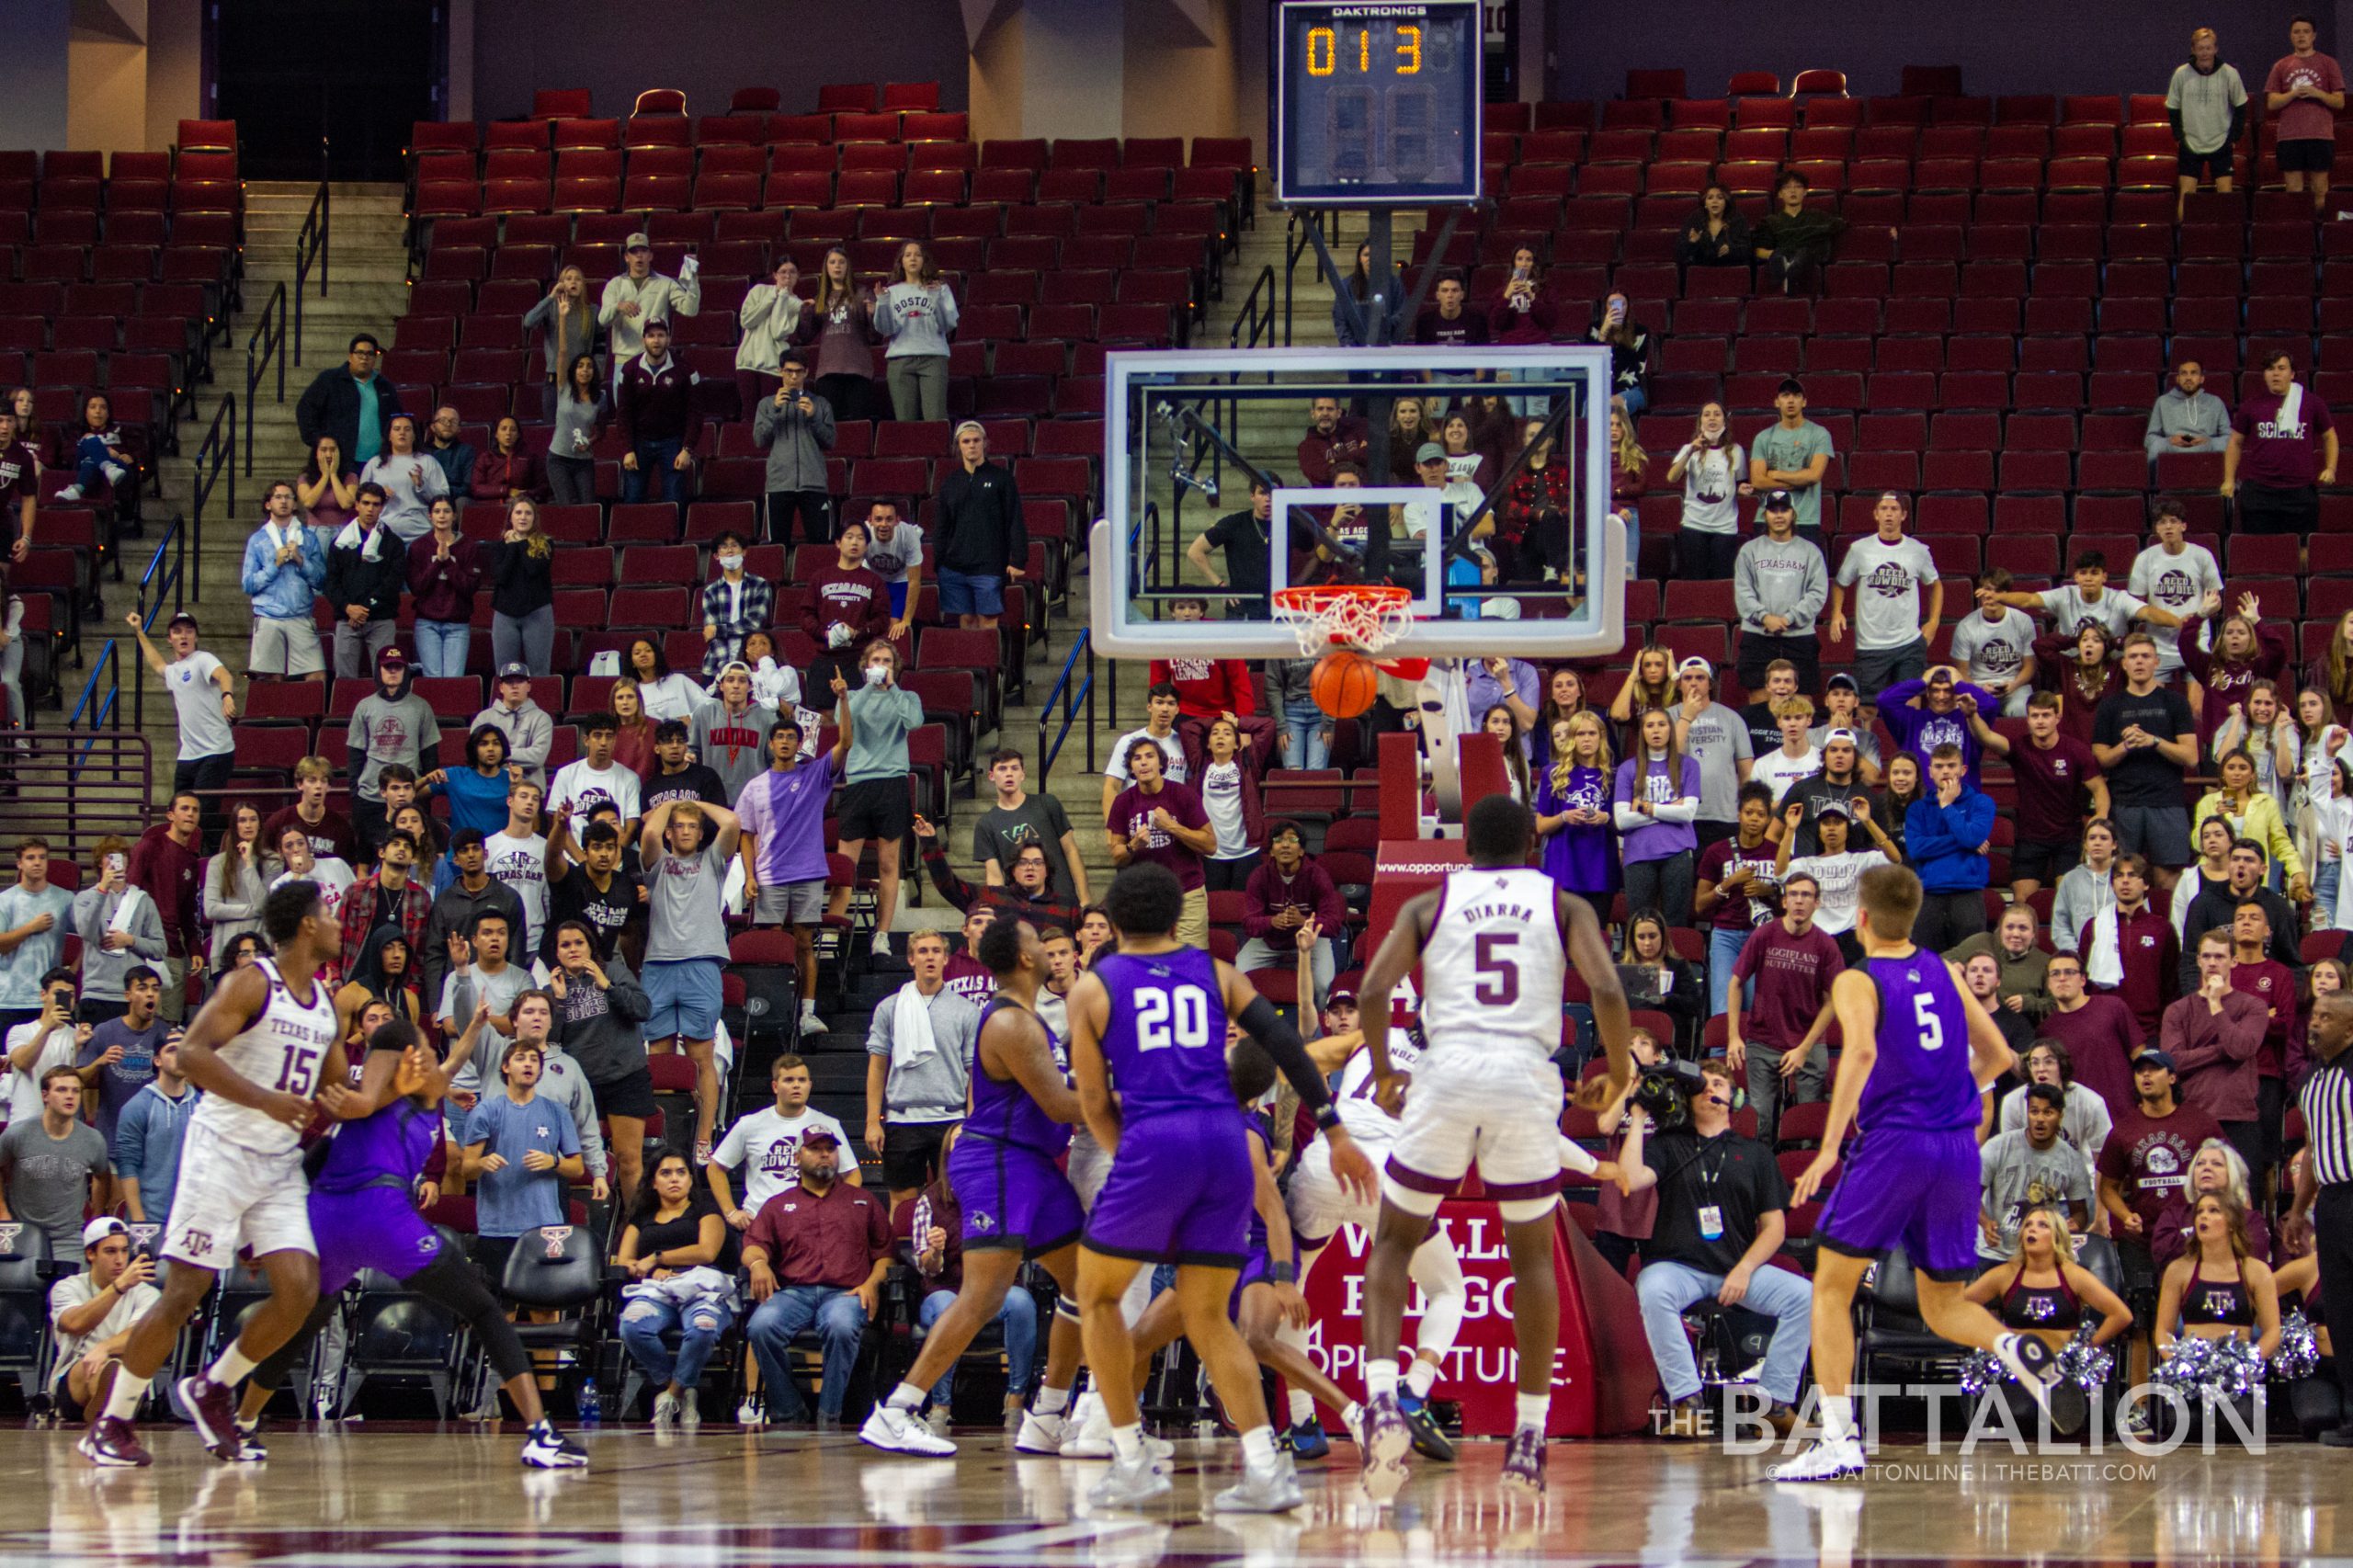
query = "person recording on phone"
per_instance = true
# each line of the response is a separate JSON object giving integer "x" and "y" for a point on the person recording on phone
{"x": 795, "y": 427}
{"x": 1719, "y": 1220}
{"x": 120, "y": 927}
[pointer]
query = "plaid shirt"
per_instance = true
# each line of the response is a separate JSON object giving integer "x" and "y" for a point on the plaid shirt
{"x": 756, "y": 607}
{"x": 359, "y": 915}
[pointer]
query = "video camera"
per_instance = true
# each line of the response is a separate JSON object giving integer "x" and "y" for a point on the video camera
{"x": 1663, "y": 1091}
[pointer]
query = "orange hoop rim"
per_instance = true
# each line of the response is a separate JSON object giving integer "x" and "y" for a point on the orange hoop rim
{"x": 1367, "y": 617}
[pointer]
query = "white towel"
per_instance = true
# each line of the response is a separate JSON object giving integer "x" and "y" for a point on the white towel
{"x": 374, "y": 549}
{"x": 2104, "y": 965}
{"x": 911, "y": 1036}
{"x": 2291, "y": 417}
{"x": 126, "y": 912}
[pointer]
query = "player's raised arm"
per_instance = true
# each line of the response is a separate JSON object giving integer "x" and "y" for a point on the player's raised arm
{"x": 1856, "y": 1001}
{"x": 1015, "y": 1041}
{"x": 1990, "y": 1056}
{"x": 1262, "y": 1023}
{"x": 1089, "y": 1010}
{"x": 1400, "y": 950}
{"x": 242, "y": 997}
{"x": 1589, "y": 952}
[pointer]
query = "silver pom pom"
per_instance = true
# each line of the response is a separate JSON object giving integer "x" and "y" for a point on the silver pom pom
{"x": 2299, "y": 1355}
{"x": 2086, "y": 1364}
{"x": 1981, "y": 1371}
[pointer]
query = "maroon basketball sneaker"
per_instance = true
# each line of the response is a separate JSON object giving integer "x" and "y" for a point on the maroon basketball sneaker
{"x": 111, "y": 1443}
{"x": 215, "y": 1415}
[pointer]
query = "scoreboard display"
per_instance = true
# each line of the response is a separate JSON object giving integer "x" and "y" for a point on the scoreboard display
{"x": 1378, "y": 104}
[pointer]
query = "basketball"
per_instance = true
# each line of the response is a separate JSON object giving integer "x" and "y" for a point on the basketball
{"x": 1344, "y": 682}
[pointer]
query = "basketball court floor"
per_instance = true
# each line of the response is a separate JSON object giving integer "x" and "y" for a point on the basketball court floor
{"x": 379, "y": 1496}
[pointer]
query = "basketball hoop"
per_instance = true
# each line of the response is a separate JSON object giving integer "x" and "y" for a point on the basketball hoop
{"x": 1366, "y": 617}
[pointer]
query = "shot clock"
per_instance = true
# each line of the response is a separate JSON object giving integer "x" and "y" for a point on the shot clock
{"x": 1378, "y": 104}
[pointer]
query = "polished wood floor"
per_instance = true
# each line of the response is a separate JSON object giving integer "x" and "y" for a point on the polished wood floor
{"x": 373, "y": 1496}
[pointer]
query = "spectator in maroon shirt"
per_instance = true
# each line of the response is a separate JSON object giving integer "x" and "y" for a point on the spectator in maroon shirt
{"x": 2283, "y": 449}
{"x": 1285, "y": 892}
{"x": 1333, "y": 438}
{"x": 2246, "y": 649}
{"x": 2060, "y": 788}
{"x": 331, "y": 832}
{"x": 849, "y": 606}
{"x": 1790, "y": 965}
{"x": 654, "y": 405}
{"x": 2146, "y": 1158}
{"x": 2213, "y": 1036}
{"x": 510, "y": 471}
{"x": 2098, "y": 1032}
{"x": 2142, "y": 944}
{"x": 816, "y": 1253}
{"x": 2257, "y": 970}
{"x": 1154, "y": 821}
{"x": 166, "y": 863}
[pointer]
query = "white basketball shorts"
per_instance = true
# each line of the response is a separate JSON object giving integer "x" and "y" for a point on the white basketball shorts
{"x": 230, "y": 1196}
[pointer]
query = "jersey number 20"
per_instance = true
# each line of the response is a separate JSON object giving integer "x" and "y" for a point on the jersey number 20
{"x": 1180, "y": 1017}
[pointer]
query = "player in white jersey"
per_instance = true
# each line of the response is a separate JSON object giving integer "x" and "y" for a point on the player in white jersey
{"x": 267, "y": 1040}
{"x": 1493, "y": 943}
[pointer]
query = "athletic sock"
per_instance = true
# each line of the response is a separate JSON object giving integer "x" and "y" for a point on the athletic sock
{"x": 1379, "y": 1377}
{"x": 1532, "y": 1410}
{"x": 1258, "y": 1447}
{"x": 231, "y": 1370}
{"x": 1127, "y": 1442}
{"x": 906, "y": 1396}
{"x": 1420, "y": 1378}
{"x": 1838, "y": 1417}
{"x": 1302, "y": 1407}
{"x": 1052, "y": 1401}
{"x": 122, "y": 1402}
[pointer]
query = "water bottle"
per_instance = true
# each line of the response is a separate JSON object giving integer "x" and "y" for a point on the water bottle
{"x": 591, "y": 1412}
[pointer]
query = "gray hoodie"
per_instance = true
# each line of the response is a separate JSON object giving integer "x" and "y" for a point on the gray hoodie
{"x": 102, "y": 971}
{"x": 1769, "y": 578}
{"x": 384, "y": 731}
{"x": 796, "y": 443}
{"x": 2177, "y": 414}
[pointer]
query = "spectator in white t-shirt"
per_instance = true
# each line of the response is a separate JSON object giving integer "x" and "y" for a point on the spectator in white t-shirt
{"x": 1160, "y": 706}
{"x": 595, "y": 777}
{"x": 516, "y": 855}
{"x": 2173, "y": 574}
{"x": 1797, "y": 757}
{"x": 90, "y": 1314}
{"x": 764, "y": 1145}
{"x": 1887, "y": 572}
{"x": 1992, "y": 646}
{"x": 1837, "y": 871}
{"x": 204, "y": 697}
{"x": 331, "y": 872}
{"x": 52, "y": 1039}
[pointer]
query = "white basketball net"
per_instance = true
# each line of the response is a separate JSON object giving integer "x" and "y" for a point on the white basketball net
{"x": 1322, "y": 618}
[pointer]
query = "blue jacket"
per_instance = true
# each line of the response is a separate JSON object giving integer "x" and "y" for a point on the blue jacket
{"x": 147, "y": 1145}
{"x": 1941, "y": 842}
{"x": 284, "y": 593}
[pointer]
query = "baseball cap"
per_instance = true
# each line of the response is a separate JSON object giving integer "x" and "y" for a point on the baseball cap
{"x": 392, "y": 659}
{"x": 2154, "y": 1059}
{"x": 1429, "y": 450}
{"x": 636, "y": 241}
{"x": 1778, "y": 501}
{"x": 1842, "y": 681}
{"x": 820, "y": 1134}
{"x": 1842, "y": 734}
{"x": 99, "y": 1229}
{"x": 1500, "y": 610}
{"x": 178, "y": 618}
{"x": 1790, "y": 384}
{"x": 1339, "y": 995}
{"x": 513, "y": 669}
{"x": 1832, "y": 808}
{"x": 1694, "y": 666}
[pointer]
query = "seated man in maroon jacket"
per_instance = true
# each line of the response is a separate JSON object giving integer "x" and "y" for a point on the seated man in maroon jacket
{"x": 1332, "y": 437}
{"x": 848, "y": 607}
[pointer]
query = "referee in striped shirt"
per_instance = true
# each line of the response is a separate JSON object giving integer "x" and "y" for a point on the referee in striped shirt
{"x": 2324, "y": 1206}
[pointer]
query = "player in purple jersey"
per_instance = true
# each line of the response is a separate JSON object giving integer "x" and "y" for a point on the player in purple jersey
{"x": 1015, "y": 1201}
{"x": 1911, "y": 1178}
{"x": 364, "y": 1214}
{"x": 1150, "y": 1020}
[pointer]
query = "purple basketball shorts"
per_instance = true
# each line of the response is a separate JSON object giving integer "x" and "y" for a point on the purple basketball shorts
{"x": 376, "y": 1228}
{"x": 1903, "y": 1187}
{"x": 1179, "y": 1191}
{"x": 1011, "y": 1196}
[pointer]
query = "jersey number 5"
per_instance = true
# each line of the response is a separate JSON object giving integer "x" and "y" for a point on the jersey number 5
{"x": 1498, "y": 976}
{"x": 1172, "y": 1017}
{"x": 1932, "y": 1028}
